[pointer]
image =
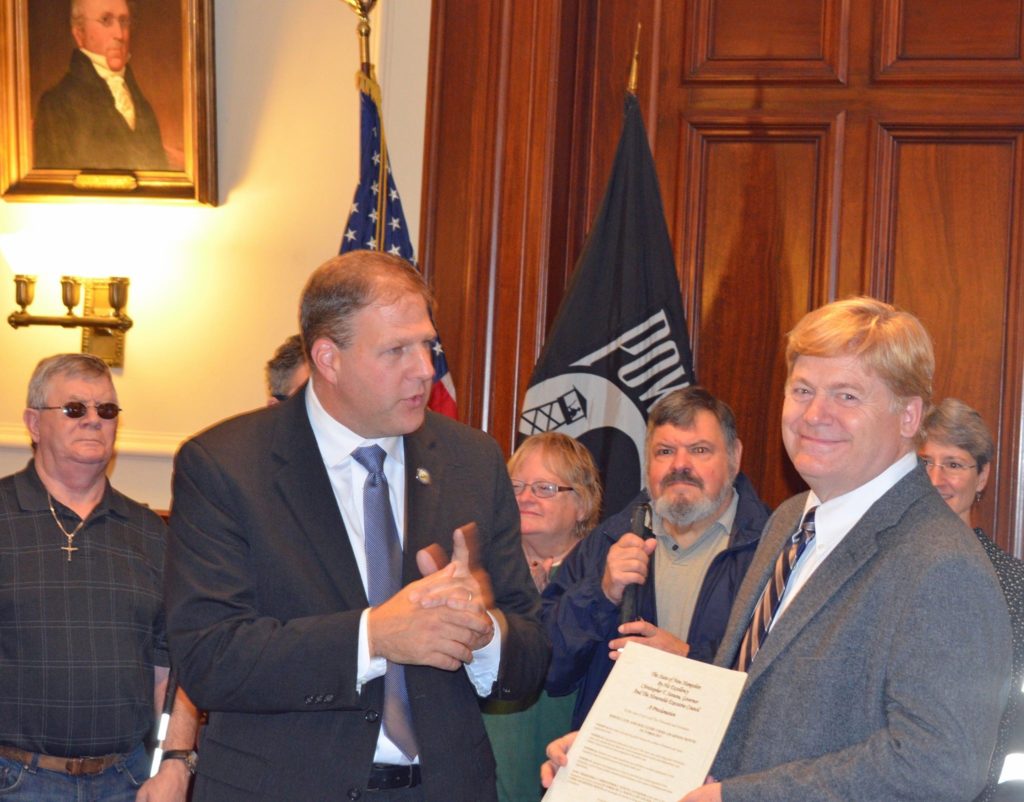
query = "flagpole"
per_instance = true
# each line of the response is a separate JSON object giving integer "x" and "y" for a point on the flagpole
{"x": 367, "y": 82}
{"x": 634, "y": 68}
{"x": 362, "y": 8}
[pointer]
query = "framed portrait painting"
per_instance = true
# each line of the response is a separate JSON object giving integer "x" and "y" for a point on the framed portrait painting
{"x": 108, "y": 99}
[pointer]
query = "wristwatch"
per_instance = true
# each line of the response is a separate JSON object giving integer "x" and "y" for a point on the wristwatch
{"x": 188, "y": 755}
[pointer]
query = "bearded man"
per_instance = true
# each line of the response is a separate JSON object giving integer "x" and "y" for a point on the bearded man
{"x": 707, "y": 520}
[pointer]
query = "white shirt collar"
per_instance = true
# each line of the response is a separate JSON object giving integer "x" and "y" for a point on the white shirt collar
{"x": 833, "y": 521}
{"x": 836, "y": 517}
{"x": 100, "y": 63}
{"x": 337, "y": 441}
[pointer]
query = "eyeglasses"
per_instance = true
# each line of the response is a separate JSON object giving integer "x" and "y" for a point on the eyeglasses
{"x": 78, "y": 409}
{"x": 108, "y": 20}
{"x": 950, "y": 467}
{"x": 540, "y": 489}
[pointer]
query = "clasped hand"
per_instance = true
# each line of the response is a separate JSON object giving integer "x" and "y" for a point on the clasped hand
{"x": 439, "y": 620}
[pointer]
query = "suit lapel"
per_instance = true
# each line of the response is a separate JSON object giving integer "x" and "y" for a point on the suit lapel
{"x": 425, "y": 469}
{"x": 856, "y": 549}
{"x": 777, "y": 531}
{"x": 306, "y": 490}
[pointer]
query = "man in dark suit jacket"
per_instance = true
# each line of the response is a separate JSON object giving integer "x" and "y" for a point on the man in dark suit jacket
{"x": 885, "y": 667}
{"x": 268, "y": 617}
{"x": 96, "y": 117}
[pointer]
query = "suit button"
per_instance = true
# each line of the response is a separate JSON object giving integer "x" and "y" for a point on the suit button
{"x": 329, "y": 698}
{"x": 354, "y": 793}
{"x": 372, "y": 716}
{"x": 308, "y": 700}
{"x": 319, "y": 699}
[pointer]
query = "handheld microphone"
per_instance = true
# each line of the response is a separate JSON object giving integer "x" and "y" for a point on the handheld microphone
{"x": 638, "y": 526}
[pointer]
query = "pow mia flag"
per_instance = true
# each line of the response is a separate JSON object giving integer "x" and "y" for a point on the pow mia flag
{"x": 619, "y": 340}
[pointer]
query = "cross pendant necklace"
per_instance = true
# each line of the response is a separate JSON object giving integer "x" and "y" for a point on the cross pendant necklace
{"x": 70, "y": 547}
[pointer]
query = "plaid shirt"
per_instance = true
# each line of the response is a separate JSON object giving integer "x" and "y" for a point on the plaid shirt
{"x": 78, "y": 639}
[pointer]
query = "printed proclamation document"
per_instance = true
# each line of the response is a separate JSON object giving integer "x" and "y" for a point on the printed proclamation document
{"x": 653, "y": 732}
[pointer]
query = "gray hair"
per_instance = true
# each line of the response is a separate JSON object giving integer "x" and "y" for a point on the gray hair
{"x": 344, "y": 285}
{"x": 282, "y": 365}
{"x": 680, "y": 407}
{"x": 955, "y": 423}
{"x": 72, "y": 365}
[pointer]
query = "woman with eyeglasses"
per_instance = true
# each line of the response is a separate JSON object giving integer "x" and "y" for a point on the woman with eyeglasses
{"x": 957, "y": 449}
{"x": 558, "y": 491}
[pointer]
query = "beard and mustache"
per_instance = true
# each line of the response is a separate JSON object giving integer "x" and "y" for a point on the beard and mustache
{"x": 682, "y": 513}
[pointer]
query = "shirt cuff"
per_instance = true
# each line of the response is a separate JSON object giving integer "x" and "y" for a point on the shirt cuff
{"x": 483, "y": 671}
{"x": 367, "y": 667}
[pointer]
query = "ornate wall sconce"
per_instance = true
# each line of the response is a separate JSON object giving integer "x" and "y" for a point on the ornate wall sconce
{"x": 103, "y": 320}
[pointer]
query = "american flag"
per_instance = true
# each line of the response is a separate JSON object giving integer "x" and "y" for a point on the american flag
{"x": 376, "y": 221}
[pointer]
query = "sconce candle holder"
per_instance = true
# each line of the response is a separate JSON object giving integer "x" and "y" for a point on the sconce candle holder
{"x": 103, "y": 320}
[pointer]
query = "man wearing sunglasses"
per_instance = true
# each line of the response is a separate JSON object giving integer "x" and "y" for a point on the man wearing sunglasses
{"x": 84, "y": 665}
{"x": 707, "y": 519}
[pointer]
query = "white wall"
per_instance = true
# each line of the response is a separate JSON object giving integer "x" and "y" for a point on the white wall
{"x": 215, "y": 290}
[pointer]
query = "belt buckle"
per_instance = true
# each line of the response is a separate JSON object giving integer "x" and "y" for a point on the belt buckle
{"x": 84, "y": 766}
{"x": 385, "y": 777}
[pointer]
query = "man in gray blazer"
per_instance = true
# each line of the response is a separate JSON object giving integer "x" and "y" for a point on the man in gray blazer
{"x": 879, "y": 668}
{"x": 271, "y": 576}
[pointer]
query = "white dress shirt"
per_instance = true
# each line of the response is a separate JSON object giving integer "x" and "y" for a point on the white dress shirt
{"x": 336, "y": 443}
{"x": 834, "y": 519}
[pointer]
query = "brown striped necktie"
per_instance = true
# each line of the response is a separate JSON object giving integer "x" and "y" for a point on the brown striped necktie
{"x": 768, "y": 604}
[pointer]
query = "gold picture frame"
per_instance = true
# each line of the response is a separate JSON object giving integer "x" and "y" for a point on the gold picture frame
{"x": 63, "y": 140}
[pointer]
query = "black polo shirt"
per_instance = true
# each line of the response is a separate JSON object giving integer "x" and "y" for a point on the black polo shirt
{"x": 78, "y": 638}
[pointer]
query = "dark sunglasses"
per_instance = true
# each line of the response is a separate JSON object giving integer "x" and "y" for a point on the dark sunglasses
{"x": 78, "y": 409}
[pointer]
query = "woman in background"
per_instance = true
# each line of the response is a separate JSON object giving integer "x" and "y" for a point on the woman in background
{"x": 957, "y": 450}
{"x": 558, "y": 491}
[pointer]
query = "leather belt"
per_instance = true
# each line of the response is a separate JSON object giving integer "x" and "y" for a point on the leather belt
{"x": 384, "y": 777}
{"x": 75, "y": 766}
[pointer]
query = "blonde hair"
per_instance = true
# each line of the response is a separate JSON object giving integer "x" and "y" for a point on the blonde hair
{"x": 572, "y": 463}
{"x": 891, "y": 343}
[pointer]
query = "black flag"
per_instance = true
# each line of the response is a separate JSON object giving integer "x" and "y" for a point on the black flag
{"x": 619, "y": 341}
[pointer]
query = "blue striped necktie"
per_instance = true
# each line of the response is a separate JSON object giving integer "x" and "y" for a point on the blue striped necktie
{"x": 768, "y": 604}
{"x": 384, "y": 580}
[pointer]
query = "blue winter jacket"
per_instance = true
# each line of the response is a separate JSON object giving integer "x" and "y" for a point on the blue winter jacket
{"x": 581, "y": 620}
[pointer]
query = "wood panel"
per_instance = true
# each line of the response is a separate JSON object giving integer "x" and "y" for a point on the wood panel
{"x": 508, "y": 185}
{"x": 946, "y": 244}
{"x": 750, "y": 40}
{"x": 807, "y": 150}
{"x": 490, "y": 191}
{"x": 758, "y": 250}
{"x": 951, "y": 40}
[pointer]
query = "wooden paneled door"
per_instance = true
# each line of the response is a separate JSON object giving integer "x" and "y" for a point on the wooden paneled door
{"x": 807, "y": 150}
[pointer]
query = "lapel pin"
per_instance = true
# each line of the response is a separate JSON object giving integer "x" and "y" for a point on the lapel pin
{"x": 423, "y": 476}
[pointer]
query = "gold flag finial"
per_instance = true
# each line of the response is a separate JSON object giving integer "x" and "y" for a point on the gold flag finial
{"x": 634, "y": 68}
{"x": 363, "y": 9}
